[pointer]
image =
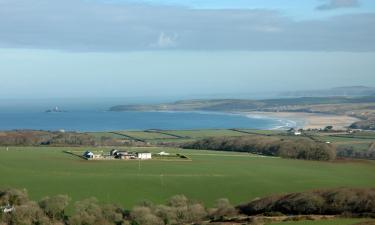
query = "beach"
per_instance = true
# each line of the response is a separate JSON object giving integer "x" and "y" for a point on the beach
{"x": 309, "y": 120}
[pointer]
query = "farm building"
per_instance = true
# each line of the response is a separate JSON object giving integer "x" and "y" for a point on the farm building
{"x": 113, "y": 152}
{"x": 163, "y": 153}
{"x": 90, "y": 155}
{"x": 129, "y": 155}
{"x": 144, "y": 155}
{"x": 122, "y": 154}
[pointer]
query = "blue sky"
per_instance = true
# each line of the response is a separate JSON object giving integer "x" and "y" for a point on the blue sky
{"x": 124, "y": 48}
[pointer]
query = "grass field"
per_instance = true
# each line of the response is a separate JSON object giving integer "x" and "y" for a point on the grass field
{"x": 209, "y": 176}
{"x": 358, "y": 141}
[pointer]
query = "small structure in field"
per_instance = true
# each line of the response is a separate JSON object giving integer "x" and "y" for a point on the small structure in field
{"x": 113, "y": 152}
{"x": 144, "y": 155}
{"x": 90, "y": 155}
{"x": 163, "y": 153}
{"x": 295, "y": 132}
{"x": 117, "y": 154}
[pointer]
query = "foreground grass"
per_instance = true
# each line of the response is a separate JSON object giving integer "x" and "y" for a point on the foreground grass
{"x": 210, "y": 175}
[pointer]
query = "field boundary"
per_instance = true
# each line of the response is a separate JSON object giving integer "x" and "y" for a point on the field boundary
{"x": 166, "y": 133}
{"x": 128, "y": 136}
{"x": 248, "y": 132}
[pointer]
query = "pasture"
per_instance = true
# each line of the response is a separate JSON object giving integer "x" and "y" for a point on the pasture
{"x": 357, "y": 141}
{"x": 210, "y": 175}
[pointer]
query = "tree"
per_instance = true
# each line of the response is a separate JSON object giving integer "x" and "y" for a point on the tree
{"x": 222, "y": 209}
{"x": 144, "y": 216}
{"x": 54, "y": 206}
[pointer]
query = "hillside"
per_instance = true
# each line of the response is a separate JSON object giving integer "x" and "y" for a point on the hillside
{"x": 247, "y": 105}
{"x": 353, "y": 91}
{"x": 360, "y": 107}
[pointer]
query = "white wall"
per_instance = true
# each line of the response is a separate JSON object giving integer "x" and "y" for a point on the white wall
{"x": 144, "y": 155}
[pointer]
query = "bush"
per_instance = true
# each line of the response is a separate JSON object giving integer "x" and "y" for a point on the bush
{"x": 324, "y": 202}
{"x": 54, "y": 207}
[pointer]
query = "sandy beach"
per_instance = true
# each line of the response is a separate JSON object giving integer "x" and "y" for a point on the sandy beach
{"x": 310, "y": 120}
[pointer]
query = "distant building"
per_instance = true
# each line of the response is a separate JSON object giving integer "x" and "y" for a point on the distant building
{"x": 113, "y": 152}
{"x": 144, "y": 155}
{"x": 163, "y": 153}
{"x": 90, "y": 155}
{"x": 293, "y": 131}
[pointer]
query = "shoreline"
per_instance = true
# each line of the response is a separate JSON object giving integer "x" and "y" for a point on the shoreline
{"x": 307, "y": 120}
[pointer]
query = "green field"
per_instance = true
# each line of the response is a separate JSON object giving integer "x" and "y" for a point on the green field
{"x": 209, "y": 176}
{"x": 358, "y": 141}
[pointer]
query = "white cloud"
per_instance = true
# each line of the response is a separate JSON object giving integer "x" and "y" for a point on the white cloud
{"x": 80, "y": 25}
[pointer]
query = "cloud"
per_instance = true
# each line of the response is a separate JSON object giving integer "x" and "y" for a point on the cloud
{"x": 81, "y": 25}
{"x": 335, "y": 4}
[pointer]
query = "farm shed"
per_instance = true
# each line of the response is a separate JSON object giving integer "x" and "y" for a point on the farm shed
{"x": 90, "y": 155}
{"x": 144, "y": 155}
{"x": 163, "y": 153}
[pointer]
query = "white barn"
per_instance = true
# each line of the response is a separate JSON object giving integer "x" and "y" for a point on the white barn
{"x": 144, "y": 155}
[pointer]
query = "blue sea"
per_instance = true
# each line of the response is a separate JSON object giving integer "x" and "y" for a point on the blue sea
{"x": 95, "y": 117}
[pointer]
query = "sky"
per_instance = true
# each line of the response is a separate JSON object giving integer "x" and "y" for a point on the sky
{"x": 129, "y": 48}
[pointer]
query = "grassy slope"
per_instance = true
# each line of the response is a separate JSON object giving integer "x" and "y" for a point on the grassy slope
{"x": 211, "y": 175}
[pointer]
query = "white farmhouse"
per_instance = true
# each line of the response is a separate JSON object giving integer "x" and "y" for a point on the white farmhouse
{"x": 144, "y": 155}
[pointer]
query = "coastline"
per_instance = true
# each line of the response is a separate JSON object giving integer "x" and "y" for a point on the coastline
{"x": 308, "y": 120}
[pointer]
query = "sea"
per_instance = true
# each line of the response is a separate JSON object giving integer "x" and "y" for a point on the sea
{"x": 95, "y": 116}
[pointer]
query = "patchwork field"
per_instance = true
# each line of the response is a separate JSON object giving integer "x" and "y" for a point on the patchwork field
{"x": 208, "y": 176}
{"x": 360, "y": 141}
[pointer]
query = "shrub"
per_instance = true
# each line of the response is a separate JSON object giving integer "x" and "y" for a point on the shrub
{"x": 333, "y": 201}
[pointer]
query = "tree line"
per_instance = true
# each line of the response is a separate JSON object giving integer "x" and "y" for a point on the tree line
{"x": 55, "y": 138}
{"x": 301, "y": 148}
{"x": 350, "y": 152}
{"x": 178, "y": 210}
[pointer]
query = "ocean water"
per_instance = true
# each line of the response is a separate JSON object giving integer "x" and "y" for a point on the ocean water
{"x": 100, "y": 120}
